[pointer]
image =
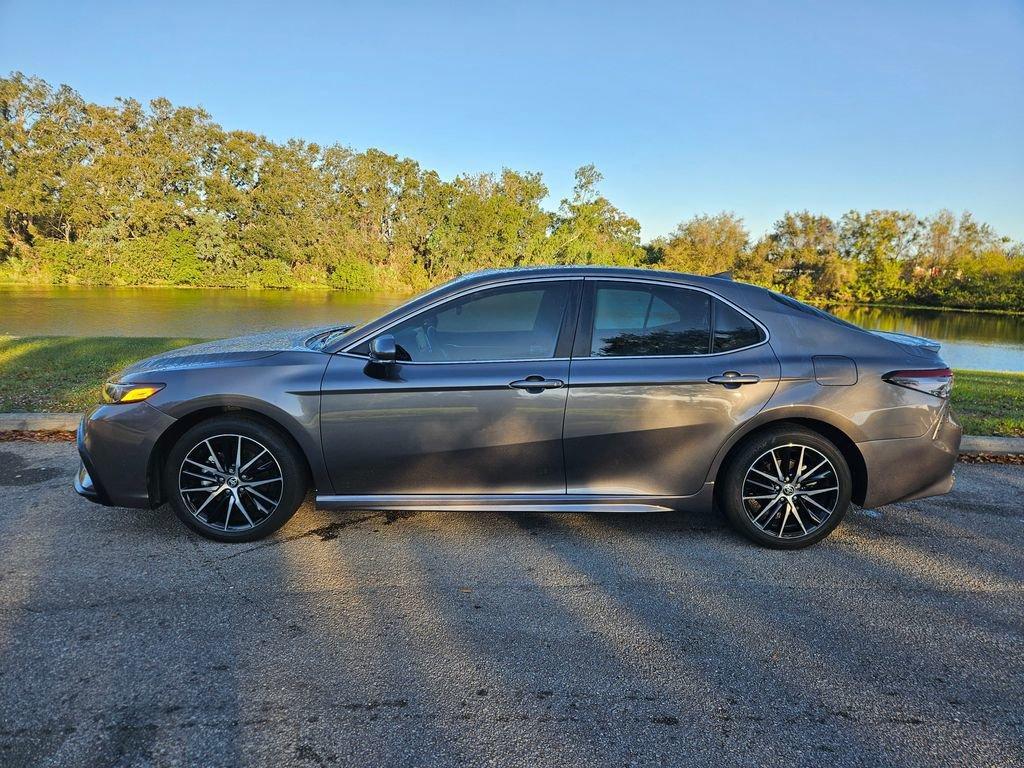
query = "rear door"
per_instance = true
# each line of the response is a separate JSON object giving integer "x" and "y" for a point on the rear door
{"x": 475, "y": 406}
{"x": 661, "y": 375}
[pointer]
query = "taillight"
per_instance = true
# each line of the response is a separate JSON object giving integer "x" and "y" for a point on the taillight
{"x": 934, "y": 381}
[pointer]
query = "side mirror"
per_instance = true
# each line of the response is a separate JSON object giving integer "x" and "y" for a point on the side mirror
{"x": 383, "y": 349}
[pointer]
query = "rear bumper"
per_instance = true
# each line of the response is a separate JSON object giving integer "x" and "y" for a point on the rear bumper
{"x": 115, "y": 443}
{"x": 912, "y": 468}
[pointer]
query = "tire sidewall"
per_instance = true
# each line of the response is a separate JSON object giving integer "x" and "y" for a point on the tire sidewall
{"x": 292, "y": 469}
{"x": 731, "y": 495}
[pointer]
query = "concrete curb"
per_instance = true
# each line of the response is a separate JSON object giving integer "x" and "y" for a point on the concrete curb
{"x": 39, "y": 422}
{"x": 68, "y": 422}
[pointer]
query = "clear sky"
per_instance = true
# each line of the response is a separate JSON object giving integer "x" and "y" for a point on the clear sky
{"x": 755, "y": 107}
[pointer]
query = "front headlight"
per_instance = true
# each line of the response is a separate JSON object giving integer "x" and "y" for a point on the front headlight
{"x": 128, "y": 393}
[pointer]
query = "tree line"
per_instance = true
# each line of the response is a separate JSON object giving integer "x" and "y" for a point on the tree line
{"x": 126, "y": 194}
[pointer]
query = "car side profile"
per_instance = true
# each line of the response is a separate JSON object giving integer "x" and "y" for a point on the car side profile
{"x": 583, "y": 389}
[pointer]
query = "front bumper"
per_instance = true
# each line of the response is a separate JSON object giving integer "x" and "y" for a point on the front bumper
{"x": 115, "y": 444}
{"x": 912, "y": 468}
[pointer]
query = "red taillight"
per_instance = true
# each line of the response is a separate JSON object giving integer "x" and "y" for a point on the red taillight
{"x": 932, "y": 381}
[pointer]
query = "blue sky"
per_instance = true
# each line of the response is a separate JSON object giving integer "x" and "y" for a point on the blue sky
{"x": 754, "y": 107}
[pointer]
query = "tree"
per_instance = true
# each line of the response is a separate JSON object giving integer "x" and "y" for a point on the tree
{"x": 590, "y": 230}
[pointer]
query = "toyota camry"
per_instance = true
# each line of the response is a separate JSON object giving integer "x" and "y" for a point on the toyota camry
{"x": 582, "y": 389}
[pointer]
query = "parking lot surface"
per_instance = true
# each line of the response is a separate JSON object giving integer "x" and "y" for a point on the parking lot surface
{"x": 459, "y": 639}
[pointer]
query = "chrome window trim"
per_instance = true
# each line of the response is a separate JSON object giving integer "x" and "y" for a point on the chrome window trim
{"x": 470, "y": 290}
{"x": 686, "y": 287}
{"x": 562, "y": 278}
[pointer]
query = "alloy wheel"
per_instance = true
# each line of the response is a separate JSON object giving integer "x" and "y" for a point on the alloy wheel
{"x": 790, "y": 491}
{"x": 230, "y": 482}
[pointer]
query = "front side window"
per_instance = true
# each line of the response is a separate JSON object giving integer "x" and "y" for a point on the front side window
{"x": 646, "y": 320}
{"x": 520, "y": 322}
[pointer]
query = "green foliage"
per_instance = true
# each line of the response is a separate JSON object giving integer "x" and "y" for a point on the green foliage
{"x": 126, "y": 194}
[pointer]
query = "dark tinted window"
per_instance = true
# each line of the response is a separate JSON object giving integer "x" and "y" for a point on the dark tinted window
{"x": 515, "y": 323}
{"x": 734, "y": 330}
{"x": 634, "y": 319}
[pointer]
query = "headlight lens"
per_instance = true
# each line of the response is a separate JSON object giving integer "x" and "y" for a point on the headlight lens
{"x": 128, "y": 393}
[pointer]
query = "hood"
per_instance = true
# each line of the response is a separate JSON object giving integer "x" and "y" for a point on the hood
{"x": 227, "y": 351}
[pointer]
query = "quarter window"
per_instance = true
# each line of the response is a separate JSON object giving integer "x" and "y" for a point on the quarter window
{"x": 734, "y": 330}
{"x": 519, "y": 322}
{"x": 648, "y": 320}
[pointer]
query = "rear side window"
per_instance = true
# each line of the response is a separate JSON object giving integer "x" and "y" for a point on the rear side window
{"x": 637, "y": 320}
{"x": 733, "y": 329}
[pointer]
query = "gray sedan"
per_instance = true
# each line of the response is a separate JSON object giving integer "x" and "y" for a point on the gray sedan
{"x": 553, "y": 389}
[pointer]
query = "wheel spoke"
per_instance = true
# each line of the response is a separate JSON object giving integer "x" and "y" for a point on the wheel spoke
{"x": 796, "y": 514}
{"x": 785, "y": 519}
{"x": 765, "y": 509}
{"x": 768, "y": 496}
{"x": 213, "y": 455}
{"x": 810, "y": 472}
{"x": 210, "y": 498}
{"x": 238, "y": 455}
{"x": 212, "y": 489}
{"x": 262, "y": 482}
{"x": 251, "y": 461}
{"x": 826, "y": 511}
{"x": 765, "y": 474}
{"x": 227, "y": 515}
{"x": 810, "y": 513}
{"x": 204, "y": 467}
{"x": 244, "y": 511}
{"x": 816, "y": 491}
{"x": 778, "y": 467}
{"x": 257, "y": 493}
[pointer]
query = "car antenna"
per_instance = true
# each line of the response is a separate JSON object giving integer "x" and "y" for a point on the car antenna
{"x": 723, "y": 275}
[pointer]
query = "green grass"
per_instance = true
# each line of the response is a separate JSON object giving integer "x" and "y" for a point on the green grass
{"x": 63, "y": 373}
{"x": 989, "y": 403}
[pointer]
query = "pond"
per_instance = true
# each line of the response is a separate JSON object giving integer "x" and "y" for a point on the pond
{"x": 969, "y": 339}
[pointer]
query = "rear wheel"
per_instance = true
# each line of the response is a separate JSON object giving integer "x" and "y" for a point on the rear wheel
{"x": 232, "y": 478}
{"x": 786, "y": 488}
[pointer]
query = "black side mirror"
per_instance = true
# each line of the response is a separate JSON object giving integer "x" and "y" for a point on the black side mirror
{"x": 383, "y": 349}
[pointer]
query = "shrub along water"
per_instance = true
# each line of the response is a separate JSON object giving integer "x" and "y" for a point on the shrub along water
{"x": 129, "y": 195}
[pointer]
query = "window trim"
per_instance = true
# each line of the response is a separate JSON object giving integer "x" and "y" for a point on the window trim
{"x": 585, "y": 327}
{"x": 567, "y": 329}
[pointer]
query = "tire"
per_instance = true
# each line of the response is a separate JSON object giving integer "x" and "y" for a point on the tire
{"x": 215, "y": 501}
{"x": 752, "y": 472}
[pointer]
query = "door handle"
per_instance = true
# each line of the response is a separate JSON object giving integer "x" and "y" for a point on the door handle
{"x": 732, "y": 379}
{"x": 535, "y": 384}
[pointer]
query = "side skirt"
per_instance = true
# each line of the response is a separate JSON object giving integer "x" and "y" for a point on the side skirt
{"x": 526, "y": 502}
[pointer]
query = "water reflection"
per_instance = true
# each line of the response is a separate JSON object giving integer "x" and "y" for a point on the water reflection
{"x": 969, "y": 339}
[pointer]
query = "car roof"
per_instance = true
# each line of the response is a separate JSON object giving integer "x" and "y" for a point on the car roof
{"x": 586, "y": 270}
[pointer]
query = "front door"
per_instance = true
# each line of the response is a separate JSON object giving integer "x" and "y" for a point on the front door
{"x": 661, "y": 375}
{"x": 475, "y": 405}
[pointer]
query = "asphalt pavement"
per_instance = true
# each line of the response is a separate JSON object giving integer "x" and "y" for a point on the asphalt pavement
{"x": 441, "y": 639}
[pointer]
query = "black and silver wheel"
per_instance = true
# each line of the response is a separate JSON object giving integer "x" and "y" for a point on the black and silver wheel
{"x": 786, "y": 488}
{"x": 234, "y": 479}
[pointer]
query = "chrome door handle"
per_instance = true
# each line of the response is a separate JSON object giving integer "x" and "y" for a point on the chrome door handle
{"x": 536, "y": 383}
{"x": 733, "y": 379}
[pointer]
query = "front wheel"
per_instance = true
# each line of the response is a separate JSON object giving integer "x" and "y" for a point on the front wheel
{"x": 232, "y": 478}
{"x": 786, "y": 488}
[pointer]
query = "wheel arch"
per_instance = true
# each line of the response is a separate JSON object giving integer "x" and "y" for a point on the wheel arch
{"x": 170, "y": 436}
{"x": 830, "y": 431}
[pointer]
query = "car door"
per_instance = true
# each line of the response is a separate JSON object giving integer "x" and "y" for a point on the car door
{"x": 661, "y": 374}
{"x": 474, "y": 405}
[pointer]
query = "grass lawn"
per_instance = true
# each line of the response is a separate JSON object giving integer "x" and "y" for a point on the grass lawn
{"x": 64, "y": 373}
{"x": 989, "y": 403}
